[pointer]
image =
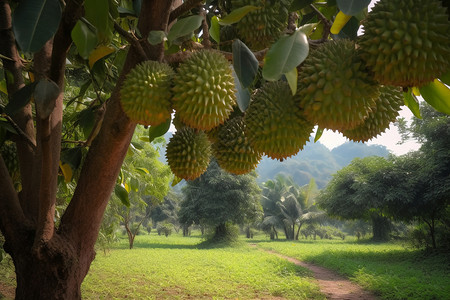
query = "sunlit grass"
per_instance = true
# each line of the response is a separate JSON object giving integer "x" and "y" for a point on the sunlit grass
{"x": 174, "y": 268}
{"x": 388, "y": 269}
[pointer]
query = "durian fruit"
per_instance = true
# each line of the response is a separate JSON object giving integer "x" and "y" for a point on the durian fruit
{"x": 188, "y": 153}
{"x": 204, "y": 92}
{"x": 261, "y": 27}
{"x": 275, "y": 124}
{"x": 232, "y": 149}
{"x": 8, "y": 151}
{"x": 406, "y": 43}
{"x": 334, "y": 89}
{"x": 383, "y": 114}
{"x": 146, "y": 92}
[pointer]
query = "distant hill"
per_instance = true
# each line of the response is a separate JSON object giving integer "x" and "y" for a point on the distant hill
{"x": 317, "y": 161}
{"x": 314, "y": 161}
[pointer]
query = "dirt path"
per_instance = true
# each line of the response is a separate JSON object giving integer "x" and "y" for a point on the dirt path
{"x": 333, "y": 285}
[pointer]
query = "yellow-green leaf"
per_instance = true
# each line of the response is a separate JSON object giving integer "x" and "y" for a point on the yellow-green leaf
{"x": 291, "y": 78}
{"x": 237, "y": 14}
{"x": 99, "y": 53}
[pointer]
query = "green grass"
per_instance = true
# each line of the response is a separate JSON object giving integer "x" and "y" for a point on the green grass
{"x": 175, "y": 268}
{"x": 388, "y": 269}
{"x": 185, "y": 268}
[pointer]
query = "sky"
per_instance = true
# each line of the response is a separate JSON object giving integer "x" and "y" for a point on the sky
{"x": 390, "y": 138}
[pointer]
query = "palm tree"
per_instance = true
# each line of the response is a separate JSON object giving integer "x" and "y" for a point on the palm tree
{"x": 287, "y": 205}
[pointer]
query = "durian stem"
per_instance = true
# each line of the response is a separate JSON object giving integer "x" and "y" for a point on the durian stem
{"x": 326, "y": 23}
{"x": 132, "y": 40}
{"x": 205, "y": 42}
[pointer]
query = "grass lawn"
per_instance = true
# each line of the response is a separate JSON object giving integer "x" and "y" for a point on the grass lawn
{"x": 388, "y": 269}
{"x": 178, "y": 268}
{"x": 175, "y": 268}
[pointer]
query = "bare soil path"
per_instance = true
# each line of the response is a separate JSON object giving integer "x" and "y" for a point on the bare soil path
{"x": 333, "y": 285}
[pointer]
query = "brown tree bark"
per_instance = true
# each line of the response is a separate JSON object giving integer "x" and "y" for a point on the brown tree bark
{"x": 50, "y": 262}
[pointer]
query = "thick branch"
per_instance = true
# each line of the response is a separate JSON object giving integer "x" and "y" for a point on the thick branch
{"x": 24, "y": 118}
{"x": 183, "y": 8}
{"x": 156, "y": 18}
{"x": 11, "y": 215}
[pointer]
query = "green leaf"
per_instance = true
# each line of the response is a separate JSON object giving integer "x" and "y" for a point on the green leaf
{"x": 291, "y": 78}
{"x": 245, "y": 63}
{"x": 352, "y": 7}
{"x": 45, "y": 95}
{"x": 72, "y": 157}
{"x": 237, "y": 14}
{"x": 85, "y": 38}
{"x": 287, "y": 53}
{"x": 134, "y": 184}
{"x": 137, "y": 6}
{"x": 156, "y": 37}
{"x": 143, "y": 171}
{"x": 243, "y": 94}
{"x": 35, "y": 22}
{"x": 308, "y": 28}
{"x": 445, "y": 78}
{"x": 19, "y": 99}
{"x": 412, "y": 103}
{"x": 122, "y": 194}
{"x": 86, "y": 121}
{"x": 299, "y": 4}
{"x": 319, "y": 133}
{"x": 214, "y": 30}
{"x": 98, "y": 16}
{"x": 156, "y": 131}
{"x": 350, "y": 30}
{"x": 437, "y": 95}
{"x": 184, "y": 27}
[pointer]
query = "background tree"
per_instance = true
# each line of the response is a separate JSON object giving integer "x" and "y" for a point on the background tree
{"x": 217, "y": 198}
{"x": 138, "y": 191}
{"x": 358, "y": 192}
{"x": 288, "y": 206}
{"x": 103, "y": 41}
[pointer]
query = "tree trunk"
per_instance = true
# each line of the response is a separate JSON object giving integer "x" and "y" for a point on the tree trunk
{"x": 221, "y": 230}
{"x": 54, "y": 270}
{"x": 381, "y": 227}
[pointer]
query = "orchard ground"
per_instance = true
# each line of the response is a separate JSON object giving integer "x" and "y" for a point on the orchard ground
{"x": 179, "y": 267}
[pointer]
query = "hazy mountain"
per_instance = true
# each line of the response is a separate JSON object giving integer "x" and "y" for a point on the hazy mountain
{"x": 317, "y": 161}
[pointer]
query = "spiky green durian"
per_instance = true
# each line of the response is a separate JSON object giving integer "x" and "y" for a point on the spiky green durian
{"x": 275, "y": 124}
{"x": 204, "y": 92}
{"x": 385, "y": 112}
{"x": 232, "y": 149}
{"x": 334, "y": 90}
{"x": 188, "y": 153}
{"x": 9, "y": 153}
{"x": 261, "y": 27}
{"x": 405, "y": 42}
{"x": 145, "y": 94}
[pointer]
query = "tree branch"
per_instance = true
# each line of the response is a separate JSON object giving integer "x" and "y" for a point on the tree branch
{"x": 326, "y": 23}
{"x": 24, "y": 117}
{"x": 19, "y": 131}
{"x": 183, "y": 8}
{"x": 11, "y": 214}
{"x": 132, "y": 40}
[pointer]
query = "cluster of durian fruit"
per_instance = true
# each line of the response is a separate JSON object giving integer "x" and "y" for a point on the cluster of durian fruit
{"x": 351, "y": 87}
